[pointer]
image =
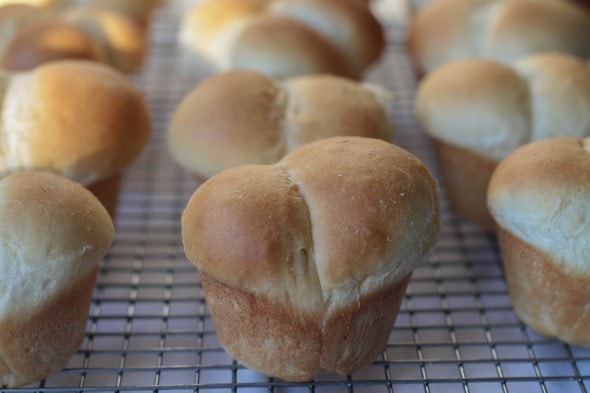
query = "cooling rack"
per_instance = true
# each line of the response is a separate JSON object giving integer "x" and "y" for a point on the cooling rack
{"x": 150, "y": 330}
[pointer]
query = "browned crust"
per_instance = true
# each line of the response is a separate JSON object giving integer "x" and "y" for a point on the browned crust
{"x": 295, "y": 291}
{"x": 445, "y": 30}
{"x": 282, "y": 46}
{"x": 466, "y": 175}
{"x": 47, "y": 40}
{"x": 433, "y": 29}
{"x": 37, "y": 344}
{"x": 263, "y": 334}
{"x": 83, "y": 33}
{"x": 366, "y": 36}
{"x": 371, "y": 32}
{"x": 273, "y": 339}
{"x": 122, "y": 41}
{"x": 550, "y": 298}
{"x": 107, "y": 192}
{"x": 230, "y": 119}
{"x": 61, "y": 98}
{"x": 355, "y": 335}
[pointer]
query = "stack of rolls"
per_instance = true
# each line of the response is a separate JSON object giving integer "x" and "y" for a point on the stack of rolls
{"x": 244, "y": 117}
{"x": 80, "y": 119}
{"x": 282, "y": 38}
{"x": 504, "y": 31}
{"x": 478, "y": 111}
{"x": 30, "y": 36}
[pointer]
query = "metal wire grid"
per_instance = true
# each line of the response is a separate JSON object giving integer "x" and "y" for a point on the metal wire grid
{"x": 150, "y": 331}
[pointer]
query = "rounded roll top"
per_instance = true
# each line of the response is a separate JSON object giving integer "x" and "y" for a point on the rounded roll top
{"x": 493, "y": 108}
{"x": 284, "y": 38}
{"x": 244, "y": 117}
{"x": 541, "y": 194}
{"x": 449, "y": 30}
{"x": 80, "y": 119}
{"x": 347, "y": 213}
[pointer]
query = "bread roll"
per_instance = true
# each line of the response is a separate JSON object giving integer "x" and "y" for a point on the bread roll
{"x": 36, "y": 36}
{"x": 80, "y": 119}
{"x": 36, "y": 3}
{"x": 447, "y": 30}
{"x": 12, "y": 18}
{"x": 478, "y": 111}
{"x": 305, "y": 263}
{"x": 540, "y": 198}
{"x": 244, "y": 117}
{"x": 139, "y": 10}
{"x": 55, "y": 233}
{"x": 283, "y": 38}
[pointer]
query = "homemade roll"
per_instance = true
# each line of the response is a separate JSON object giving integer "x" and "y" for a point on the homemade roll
{"x": 54, "y": 234}
{"x": 12, "y": 18}
{"x": 282, "y": 38}
{"x": 80, "y": 119}
{"x": 244, "y": 117}
{"x": 36, "y": 3}
{"x": 138, "y": 10}
{"x": 447, "y": 30}
{"x": 305, "y": 263}
{"x": 540, "y": 198}
{"x": 478, "y": 111}
{"x": 33, "y": 36}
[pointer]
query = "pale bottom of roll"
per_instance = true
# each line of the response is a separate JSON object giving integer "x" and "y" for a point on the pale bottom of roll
{"x": 37, "y": 343}
{"x": 545, "y": 296}
{"x": 107, "y": 192}
{"x": 466, "y": 175}
{"x": 268, "y": 337}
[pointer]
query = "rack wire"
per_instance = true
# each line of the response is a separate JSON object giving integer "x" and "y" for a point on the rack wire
{"x": 150, "y": 329}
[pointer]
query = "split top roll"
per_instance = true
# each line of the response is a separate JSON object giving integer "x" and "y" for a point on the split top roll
{"x": 283, "y": 37}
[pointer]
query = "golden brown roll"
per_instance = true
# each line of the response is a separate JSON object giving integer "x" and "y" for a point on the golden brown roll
{"x": 80, "y": 119}
{"x": 36, "y": 3}
{"x": 54, "y": 234}
{"x": 283, "y": 38}
{"x": 33, "y": 36}
{"x": 305, "y": 263}
{"x": 447, "y": 30}
{"x": 478, "y": 111}
{"x": 540, "y": 198}
{"x": 12, "y": 18}
{"x": 244, "y": 117}
{"x": 139, "y": 10}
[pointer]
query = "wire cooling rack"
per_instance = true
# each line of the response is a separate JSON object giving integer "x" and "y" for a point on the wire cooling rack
{"x": 150, "y": 330}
